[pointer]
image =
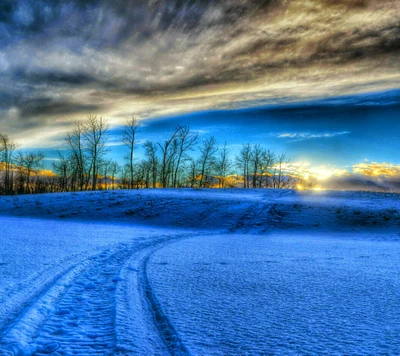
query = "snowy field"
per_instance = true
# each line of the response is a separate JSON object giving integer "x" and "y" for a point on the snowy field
{"x": 200, "y": 272}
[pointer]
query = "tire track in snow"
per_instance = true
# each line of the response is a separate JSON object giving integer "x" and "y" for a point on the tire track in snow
{"x": 25, "y": 312}
{"x": 258, "y": 217}
{"x": 139, "y": 314}
{"x": 81, "y": 313}
{"x": 27, "y": 292}
{"x": 84, "y": 319}
{"x": 165, "y": 329}
{"x": 42, "y": 326}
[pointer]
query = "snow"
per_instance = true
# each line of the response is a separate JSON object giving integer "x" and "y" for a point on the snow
{"x": 285, "y": 294}
{"x": 191, "y": 271}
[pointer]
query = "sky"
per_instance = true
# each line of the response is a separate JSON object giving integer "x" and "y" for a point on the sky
{"x": 319, "y": 79}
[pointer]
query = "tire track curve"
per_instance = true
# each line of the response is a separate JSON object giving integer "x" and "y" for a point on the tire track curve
{"x": 259, "y": 217}
{"x": 88, "y": 309}
{"x": 139, "y": 314}
{"x": 165, "y": 329}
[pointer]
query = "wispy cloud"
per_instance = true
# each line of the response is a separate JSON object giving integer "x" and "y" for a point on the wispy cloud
{"x": 300, "y": 136}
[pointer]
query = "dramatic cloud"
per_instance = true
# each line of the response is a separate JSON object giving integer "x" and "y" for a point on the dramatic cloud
{"x": 60, "y": 60}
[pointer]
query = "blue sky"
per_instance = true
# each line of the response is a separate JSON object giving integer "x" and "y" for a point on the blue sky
{"x": 340, "y": 131}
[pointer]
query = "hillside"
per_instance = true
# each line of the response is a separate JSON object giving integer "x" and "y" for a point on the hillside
{"x": 226, "y": 209}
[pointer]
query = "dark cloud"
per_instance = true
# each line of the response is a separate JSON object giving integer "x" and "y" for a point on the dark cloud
{"x": 349, "y": 4}
{"x": 47, "y": 107}
{"x": 6, "y": 100}
{"x": 78, "y": 26}
{"x": 141, "y": 18}
{"x": 345, "y": 46}
{"x": 6, "y": 10}
{"x": 57, "y": 78}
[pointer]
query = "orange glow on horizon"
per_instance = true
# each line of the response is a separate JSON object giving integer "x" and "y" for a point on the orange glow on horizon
{"x": 376, "y": 169}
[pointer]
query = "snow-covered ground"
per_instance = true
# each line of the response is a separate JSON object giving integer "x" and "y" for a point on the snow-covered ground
{"x": 281, "y": 294}
{"x": 221, "y": 272}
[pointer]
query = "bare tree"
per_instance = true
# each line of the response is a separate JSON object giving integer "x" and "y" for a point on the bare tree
{"x": 168, "y": 163}
{"x": 7, "y": 148}
{"x": 243, "y": 163}
{"x": 223, "y": 164}
{"x": 268, "y": 159}
{"x": 105, "y": 168}
{"x": 283, "y": 175}
{"x": 131, "y": 127}
{"x": 146, "y": 173}
{"x": 168, "y": 149}
{"x": 185, "y": 142}
{"x": 151, "y": 155}
{"x": 192, "y": 172}
{"x": 64, "y": 170}
{"x": 27, "y": 165}
{"x": 124, "y": 181}
{"x": 75, "y": 141}
{"x": 95, "y": 133}
{"x": 114, "y": 169}
{"x": 256, "y": 154}
{"x": 206, "y": 161}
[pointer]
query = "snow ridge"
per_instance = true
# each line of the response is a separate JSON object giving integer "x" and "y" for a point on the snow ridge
{"x": 228, "y": 209}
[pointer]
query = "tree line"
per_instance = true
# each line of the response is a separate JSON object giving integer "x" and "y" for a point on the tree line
{"x": 181, "y": 160}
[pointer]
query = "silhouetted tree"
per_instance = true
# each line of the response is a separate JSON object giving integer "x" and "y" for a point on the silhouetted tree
{"x": 168, "y": 149}
{"x": 243, "y": 163}
{"x": 7, "y": 149}
{"x": 185, "y": 141}
{"x": 206, "y": 160}
{"x": 114, "y": 169}
{"x": 78, "y": 158}
{"x": 223, "y": 164}
{"x": 168, "y": 164}
{"x": 105, "y": 168}
{"x": 256, "y": 153}
{"x": 63, "y": 168}
{"x": 193, "y": 172}
{"x": 95, "y": 133}
{"x": 28, "y": 164}
{"x": 267, "y": 161}
{"x": 283, "y": 175}
{"x": 131, "y": 127}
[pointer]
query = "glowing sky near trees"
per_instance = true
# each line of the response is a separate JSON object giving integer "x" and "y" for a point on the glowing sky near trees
{"x": 317, "y": 78}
